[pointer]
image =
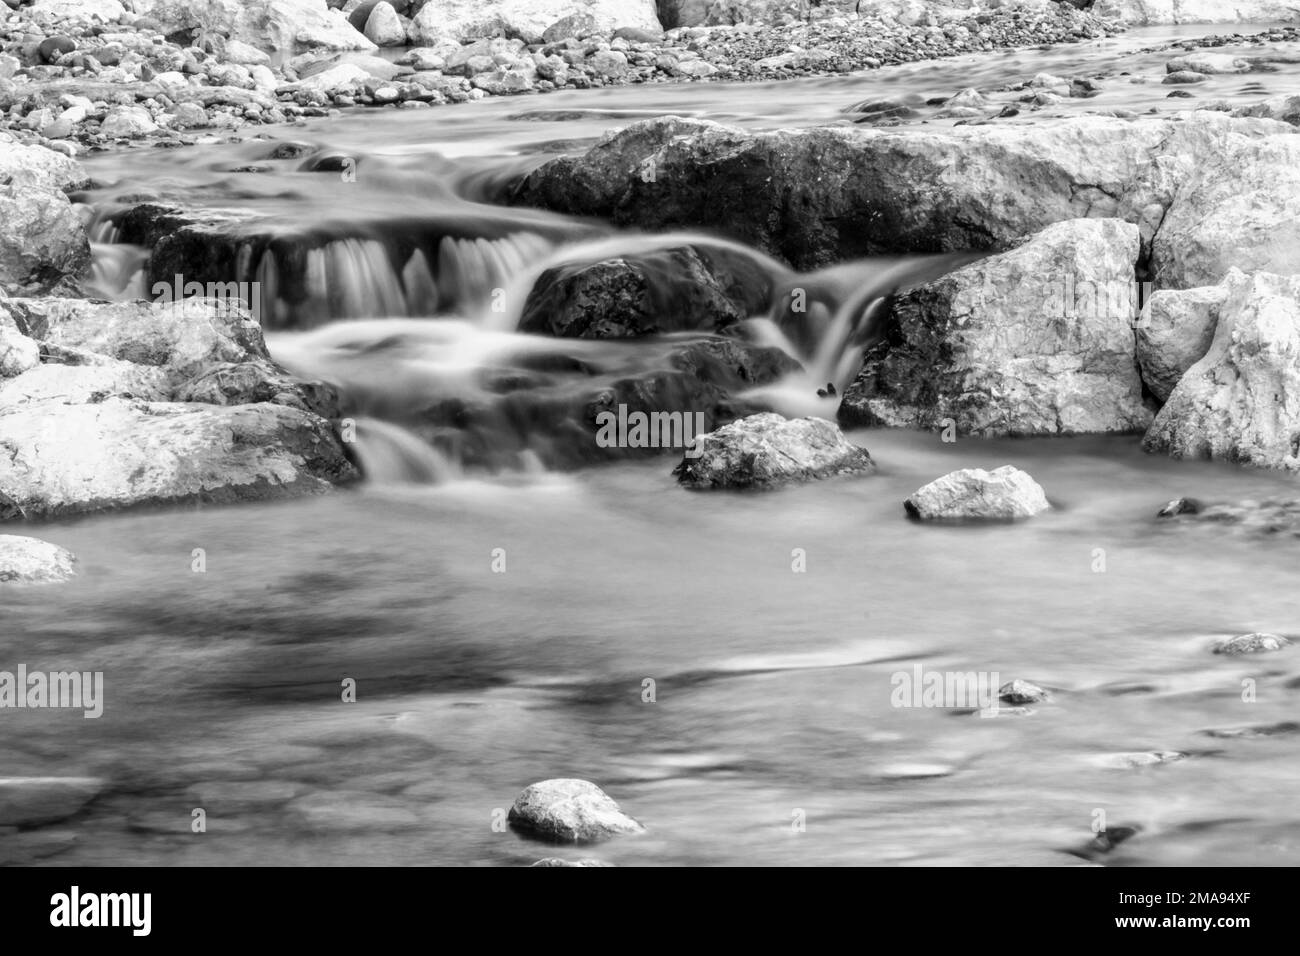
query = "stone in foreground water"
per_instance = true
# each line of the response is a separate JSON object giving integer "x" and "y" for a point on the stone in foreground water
{"x": 26, "y": 560}
{"x": 565, "y": 810}
{"x": 1004, "y": 493}
{"x": 1257, "y": 643}
{"x": 767, "y": 451}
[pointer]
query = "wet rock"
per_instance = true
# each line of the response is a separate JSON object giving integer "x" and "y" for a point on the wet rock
{"x": 1019, "y": 692}
{"x": 257, "y": 380}
{"x": 815, "y": 196}
{"x": 60, "y": 459}
{"x": 1034, "y": 341}
{"x": 556, "y": 861}
{"x": 1105, "y": 842}
{"x": 687, "y": 288}
{"x": 1283, "y": 108}
{"x": 767, "y": 451}
{"x": 1003, "y": 493}
{"x": 1252, "y": 731}
{"x": 35, "y": 801}
{"x": 1204, "y": 61}
{"x": 1179, "y": 506}
{"x": 184, "y": 337}
{"x": 564, "y": 810}
{"x": 1256, "y": 643}
{"x": 1174, "y": 332}
{"x": 1130, "y": 761}
{"x": 1227, "y": 405}
{"x": 353, "y": 811}
{"x": 1184, "y": 77}
{"x": 26, "y": 560}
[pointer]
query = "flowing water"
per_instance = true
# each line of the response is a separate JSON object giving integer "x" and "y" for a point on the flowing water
{"x": 501, "y": 607}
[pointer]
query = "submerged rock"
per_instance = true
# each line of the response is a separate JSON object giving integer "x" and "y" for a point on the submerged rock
{"x": 766, "y": 451}
{"x": 34, "y": 801}
{"x": 565, "y": 810}
{"x": 1267, "y": 517}
{"x": 1130, "y": 761}
{"x": 556, "y": 861}
{"x": 1034, "y": 341}
{"x": 1003, "y": 493}
{"x": 1241, "y": 401}
{"x": 1257, "y": 643}
{"x": 26, "y": 560}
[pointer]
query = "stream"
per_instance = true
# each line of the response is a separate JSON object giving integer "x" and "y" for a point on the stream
{"x": 500, "y": 603}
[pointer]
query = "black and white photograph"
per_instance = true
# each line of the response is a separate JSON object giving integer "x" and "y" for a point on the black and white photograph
{"x": 651, "y": 433}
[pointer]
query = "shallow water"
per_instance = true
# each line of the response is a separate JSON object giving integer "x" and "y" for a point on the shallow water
{"x": 772, "y": 688}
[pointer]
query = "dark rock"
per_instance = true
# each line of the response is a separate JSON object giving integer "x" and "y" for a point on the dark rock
{"x": 54, "y": 47}
{"x": 684, "y": 289}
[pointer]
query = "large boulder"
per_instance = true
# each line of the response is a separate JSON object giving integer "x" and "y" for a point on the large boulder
{"x": 138, "y": 403}
{"x": 569, "y": 811}
{"x": 26, "y": 560}
{"x": 1034, "y": 341}
{"x": 1241, "y": 402}
{"x": 1240, "y": 206}
{"x": 974, "y": 493}
{"x": 1155, "y": 12}
{"x": 1174, "y": 332}
{"x": 668, "y": 290}
{"x": 822, "y": 195}
{"x": 43, "y": 244}
{"x": 282, "y": 28}
{"x": 525, "y": 19}
{"x": 58, "y": 459}
{"x": 766, "y": 451}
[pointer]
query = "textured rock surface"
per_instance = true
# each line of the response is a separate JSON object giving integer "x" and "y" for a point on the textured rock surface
{"x": 814, "y": 196}
{"x": 767, "y": 450}
{"x": 26, "y": 560}
{"x": 60, "y": 459}
{"x": 1174, "y": 332}
{"x": 1241, "y": 402}
{"x": 527, "y": 19}
{"x": 1257, "y": 643}
{"x": 1003, "y": 493}
{"x": 1154, "y": 12}
{"x": 42, "y": 241}
{"x": 1034, "y": 341}
{"x": 281, "y": 27}
{"x": 569, "y": 811}
{"x": 685, "y": 289}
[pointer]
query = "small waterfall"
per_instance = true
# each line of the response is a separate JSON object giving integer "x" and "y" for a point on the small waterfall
{"x": 390, "y": 454}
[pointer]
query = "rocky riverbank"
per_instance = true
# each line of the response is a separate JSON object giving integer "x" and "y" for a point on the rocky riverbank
{"x": 80, "y": 74}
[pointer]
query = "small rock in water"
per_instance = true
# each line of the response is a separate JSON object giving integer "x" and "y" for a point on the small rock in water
{"x": 1185, "y": 76}
{"x": 26, "y": 560}
{"x": 1257, "y": 643}
{"x": 566, "y": 810}
{"x": 1021, "y": 692}
{"x": 1104, "y": 842}
{"x": 1004, "y": 493}
{"x": 1148, "y": 758}
{"x": 556, "y": 861}
{"x": 1179, "y": 506}
{"x": 827, "y": 392}
{"x": 1254, "y": 730}
{"x": 767, "y": 451}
